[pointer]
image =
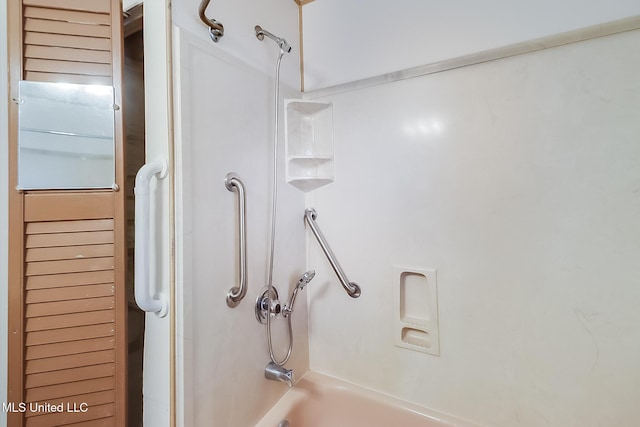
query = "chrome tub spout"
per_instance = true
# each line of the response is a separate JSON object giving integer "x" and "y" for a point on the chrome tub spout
{"x": 279, "y": 373}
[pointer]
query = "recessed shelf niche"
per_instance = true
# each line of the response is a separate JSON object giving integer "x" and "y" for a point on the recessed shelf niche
{"x": 309, "y": 143}
{"x": 416, "y": 309}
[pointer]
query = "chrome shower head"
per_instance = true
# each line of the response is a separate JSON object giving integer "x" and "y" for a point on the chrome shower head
{"x": 306, "y": 278}
{"x": 282, "y": 43}
{"x": 304, "y": 281}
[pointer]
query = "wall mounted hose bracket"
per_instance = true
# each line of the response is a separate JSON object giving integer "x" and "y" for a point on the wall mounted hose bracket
{"x": 233, "y": 183}
{"x": 158, "y": 304}
{"x": 352, "y": 288}
{"x": 216, "y": 29}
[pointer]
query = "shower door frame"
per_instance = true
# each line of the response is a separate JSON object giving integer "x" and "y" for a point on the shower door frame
{"x": 159, "y": 381}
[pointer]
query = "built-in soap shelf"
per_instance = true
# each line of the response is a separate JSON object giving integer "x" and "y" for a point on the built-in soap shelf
{"x": 309, "y": 143}
{"x": 416, "y": 309}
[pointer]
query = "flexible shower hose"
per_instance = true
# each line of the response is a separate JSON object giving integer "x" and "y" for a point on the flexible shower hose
{"x": 274, "y": 199}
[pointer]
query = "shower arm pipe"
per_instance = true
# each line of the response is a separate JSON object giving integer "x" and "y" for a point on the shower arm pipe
{"x": 352, "y": 288}
{"x": 281, "y": 42}
{"x": 155, "y": 304}
{"x": 216, "y": 29}
{"x": 237, "y": 293}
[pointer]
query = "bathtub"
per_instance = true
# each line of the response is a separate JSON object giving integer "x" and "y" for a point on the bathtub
{"x": 321, "y": 401}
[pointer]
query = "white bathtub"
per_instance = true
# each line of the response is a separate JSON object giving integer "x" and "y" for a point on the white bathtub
{"x": 321, "y": 401}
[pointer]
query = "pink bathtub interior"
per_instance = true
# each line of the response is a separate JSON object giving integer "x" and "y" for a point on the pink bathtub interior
{"x": 321, "y": 401}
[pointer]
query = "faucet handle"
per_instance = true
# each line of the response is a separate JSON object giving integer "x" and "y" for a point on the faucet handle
{"x": 267, "y": 304}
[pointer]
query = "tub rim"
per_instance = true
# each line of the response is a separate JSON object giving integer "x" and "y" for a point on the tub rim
{"x": 297, "y": 395}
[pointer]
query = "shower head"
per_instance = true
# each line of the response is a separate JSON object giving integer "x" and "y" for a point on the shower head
{"x": 306, "y": 278}
{"x": 282, "y": 43}
{"x": 304, "y": 281}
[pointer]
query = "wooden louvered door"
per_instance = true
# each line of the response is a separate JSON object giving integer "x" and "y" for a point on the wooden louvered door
{"x": 70, "y": 316}
{"x": 68, "y": 40}
{"x": 67, "y": 296}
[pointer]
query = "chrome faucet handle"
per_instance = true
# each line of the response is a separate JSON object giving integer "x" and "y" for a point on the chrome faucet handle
{"x": 267, "y": 303}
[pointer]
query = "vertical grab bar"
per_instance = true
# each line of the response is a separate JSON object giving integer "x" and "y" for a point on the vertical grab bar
{"x": 155, "y": 304}
{"x": 237, "y": 293}
{"x": 352, "y": 288}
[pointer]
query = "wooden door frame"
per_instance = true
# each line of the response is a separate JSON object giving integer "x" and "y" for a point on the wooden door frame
{"x": 4, "y": 202}
{"x": 120, "y": 221}
{"x": 15, "y": 339}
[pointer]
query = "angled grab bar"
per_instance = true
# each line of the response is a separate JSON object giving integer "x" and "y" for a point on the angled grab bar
{"x": 216, "y": 29}
{"x": 237, "y": 293}
{"x": 155, "y": 304}
{"x": 352, "y": 288}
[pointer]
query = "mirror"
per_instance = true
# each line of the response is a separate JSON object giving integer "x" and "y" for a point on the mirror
{"x": 65, "y": 136}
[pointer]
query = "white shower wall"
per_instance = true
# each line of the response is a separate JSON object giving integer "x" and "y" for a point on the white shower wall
{"x": 239, "y": 19}
{"x": 224, "y": 123}
{"x": 347, "y": 40}
{"x": 519, "y": 181}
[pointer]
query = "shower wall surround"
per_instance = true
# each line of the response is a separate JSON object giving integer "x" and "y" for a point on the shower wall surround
{"x": 224, "y": 123}
{"x": 519, "y": 181}
{"x": 366, "y": 41}
{"x": 239, "y": 20}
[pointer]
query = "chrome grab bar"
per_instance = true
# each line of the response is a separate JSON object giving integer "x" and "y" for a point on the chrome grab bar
{"x": 216, "y": 29}
{"x": 352, "y": 288}
{"x": 232, "y": 182}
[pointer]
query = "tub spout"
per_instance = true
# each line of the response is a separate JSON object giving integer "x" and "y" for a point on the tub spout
{"x": 277, "y": 372}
